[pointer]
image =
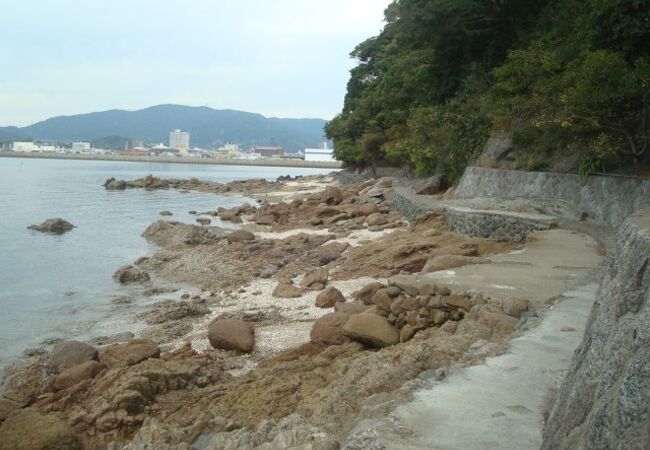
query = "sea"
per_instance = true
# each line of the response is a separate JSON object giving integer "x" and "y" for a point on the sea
{"x": 61, "y": 287}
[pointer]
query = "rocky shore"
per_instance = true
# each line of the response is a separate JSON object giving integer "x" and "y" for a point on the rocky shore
{"x": 312, "y": 316}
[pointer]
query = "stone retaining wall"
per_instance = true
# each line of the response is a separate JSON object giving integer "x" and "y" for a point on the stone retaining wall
{"x": 492, "y": 225}
{"x": 607, "y": 199}
{"x": 604, "y": 402}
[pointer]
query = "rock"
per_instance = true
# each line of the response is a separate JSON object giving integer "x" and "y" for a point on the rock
{"x": 175, "y": 234}
{"x": 130, "y": 274}
{"x": 330, "y": 252}
{"x": 366, "y": 209}
{"x": 203, "y": 220}
{"x": 355, "y": 307}
{"x": 232, "y": 334}
{"x": 430, "y": 186}
{"x": 514, "y": 306}
{"x": 268, "y": 272}
{"x": 377, "y": 219}
{"x": 316, "y": 276}
{"x": 286, "y": 290}
{"x": 123, "y": 355}
{"x": 331, "y": 196}
{"x": 407, "y": 332}
{"x": 112, "y": 339}
{"x": 53, "y": 226}
{"x": 67, "y": 354}
{"x": 329, "y": 297}
{"x": 328, "y": 329}
{"x": 166, "y": 213}
{"x": 174, "y": 311}
{"x": 115, "y": 185}
{"x": 76, "y": 374}
{"x": 444, "y": 262}
{"x": 265, "y": 219}
{"x": 365, "y": 293}
{"x": 240, "y": 236}
{"x": 371, "y": 329}
{"x": 28, "y": 429}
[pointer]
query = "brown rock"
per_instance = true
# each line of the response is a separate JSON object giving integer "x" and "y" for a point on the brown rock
{"x": 371, "y": 329}
{"x": 407, "y": 332}
{"x": 133, "y": 352}
{"x": 331, "y": 196}
{"x": 240, "y": 236}
{"x": 203, "y": 220}
{"x": 329, "y": 297}
{"x": 430, "y": 186}
{"x": 76, "y": 374}
{"x": 365, "y": 293}
{"x": 350, "y": 307}
{"x": 514, "y": 306}
{"x": 376, "y": 219}
{"x": 67, "y": 354}
{"x": 265, "y": 219}
{"x": 130, "y": 274}
{"x": 316, "y": 276}
{"x": 382, "y": 299}
{"x": 28, "y": 429}
{"x": 457, "y": 301}
{"x": 366, "y": 209}
{"x": 444, "y": 262}
{"x": 328, "y": 329}
{"x": 232, "y": 334}
{"x": 286, "y": 290}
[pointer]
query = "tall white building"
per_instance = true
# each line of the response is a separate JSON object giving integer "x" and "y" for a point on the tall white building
{"x": 320, "y": 154}
{"x": 179, "y": 140}
{"x": 80, "y": 146}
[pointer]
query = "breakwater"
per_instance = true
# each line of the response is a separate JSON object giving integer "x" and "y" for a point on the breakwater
{"x": 275, "y": 162}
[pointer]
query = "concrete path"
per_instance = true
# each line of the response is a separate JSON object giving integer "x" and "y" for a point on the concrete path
{"x": 498, "y": 405}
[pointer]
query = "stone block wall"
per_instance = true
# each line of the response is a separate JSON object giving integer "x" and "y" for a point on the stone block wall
{"x": 604, "y": 402}
{"x": 606, "y": 199}
{"x": 500, "y": 227}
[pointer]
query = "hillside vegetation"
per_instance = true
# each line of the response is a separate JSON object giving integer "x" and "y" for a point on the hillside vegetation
{"x": 565, "y": 80}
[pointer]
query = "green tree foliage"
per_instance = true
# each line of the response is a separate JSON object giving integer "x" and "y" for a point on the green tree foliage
{"x": 563, "y": 76}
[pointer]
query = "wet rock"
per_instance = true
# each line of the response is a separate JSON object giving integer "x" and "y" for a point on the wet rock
{"x": 316, "y": 276}
{"x": 67, "y": 354}
{"x": 203, "y": 220}
{"x": 232, "y": 334}
{"x": 166, "y": 213}
{"x": 371, "y": 329}
{"x": 331, "y": 196}
{"x": 328, "y": 329}
{"x": 53, "y": 226}
{"x": 76, "y": 374}
{"x": 28, "y": 429}
{"x": 240, "y": 236}
{"x": 286, "y": 290}
{"x": 115, "y": 185}
{"x": 123, "y": 355}
{"x": 329, "y": 297}
{"x": 130, "y": 274}
{"x": 444, "y": 262}
{"x": 112, "y": 339}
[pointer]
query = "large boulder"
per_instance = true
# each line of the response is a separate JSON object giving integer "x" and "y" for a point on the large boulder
{"x": 444, "y": 262}
{"x": 286, "y": 290}
{"x": 376, "y": 219}
{"x": 173, "y": 234}
{"x": 68, "y": 354}
{"x": 133, "y": 352}
{"x": 232, "y": 334}
{"x": 430, "y": 186}
{"x": 365, "y": 209}
{"x": 329, "y": 297}
{"x": 240, "y": 236}
{"x": 53, "y": 226}
{"x": 328, "y": 329}
{"x": 371, "y": 329}
{"x": 130, "y": 274}
{"x": 331, "y": 196}
{"x": 28, "y": 429}
{"x": 115, "y": 185}
{"x": 365, "y": 293}
{"x": 316, "y": 276}
{"x": 76, "y": 374}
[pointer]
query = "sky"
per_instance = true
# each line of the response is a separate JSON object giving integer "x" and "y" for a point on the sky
{"x": 280, "y": 58}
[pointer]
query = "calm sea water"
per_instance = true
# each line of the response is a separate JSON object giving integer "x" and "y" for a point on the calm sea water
{"x": 62, "y": 286}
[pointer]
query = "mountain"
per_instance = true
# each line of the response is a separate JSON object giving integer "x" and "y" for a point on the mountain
{"x": 208, "y": 127}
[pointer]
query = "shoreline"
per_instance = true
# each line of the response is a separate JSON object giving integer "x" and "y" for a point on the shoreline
{"x": 179, "y": 160}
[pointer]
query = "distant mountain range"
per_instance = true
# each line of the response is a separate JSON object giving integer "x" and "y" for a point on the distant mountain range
{"x": 208, "y": 127}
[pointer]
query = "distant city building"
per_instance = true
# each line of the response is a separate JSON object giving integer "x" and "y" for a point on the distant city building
{"x": 137, "y": 144}
{"x": 320, "y": 154}
{"x": 179, "y": 140}
{"x": 268, "y": 152}
{"x": 23, "y": 146}
{"x": 80, "y": 146}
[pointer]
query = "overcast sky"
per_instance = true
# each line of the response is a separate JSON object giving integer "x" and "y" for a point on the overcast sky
{"x": 283, "y": 58}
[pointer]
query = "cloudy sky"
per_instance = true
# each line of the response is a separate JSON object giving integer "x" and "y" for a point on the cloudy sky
{"x": 283, "y": 58}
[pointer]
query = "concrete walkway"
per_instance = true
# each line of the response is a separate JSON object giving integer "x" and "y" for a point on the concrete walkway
{"x": 498, "y": 405}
